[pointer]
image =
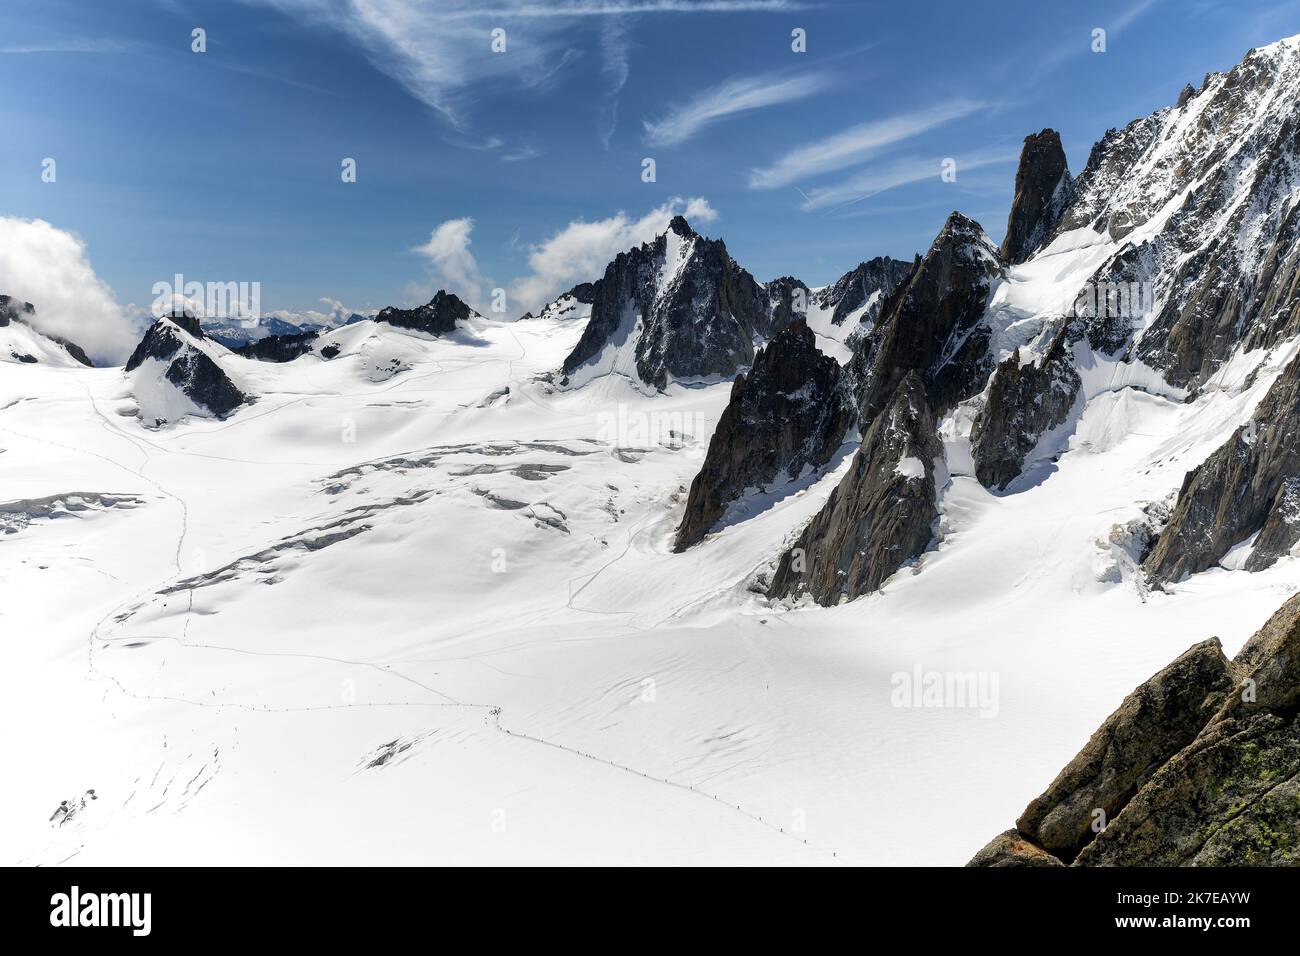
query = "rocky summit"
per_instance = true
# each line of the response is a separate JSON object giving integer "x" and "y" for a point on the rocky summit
{"x": 786, "y": 417}
{"x": 880, "y": 516}
{"x": 175, "y": 345}
{"x": 1043, "y": 190}
{"x": 441, "y": 315}
{"x": 679, "y": 307}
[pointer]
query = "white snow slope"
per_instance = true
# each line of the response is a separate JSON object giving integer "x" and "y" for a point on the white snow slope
{"x": 414, "y": 618}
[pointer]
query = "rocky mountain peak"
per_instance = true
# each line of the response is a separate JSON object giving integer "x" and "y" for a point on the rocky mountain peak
{"x": 438, "y": 317}
{"x": 680, "y": 226}
{"x": 786, "y": 415}
{"x": 1043, "y": 188}
{"x": 932, "y": 323}
{"x": 680, "y": 305}
{"x": 853, "y": 290}
{"x": 186, "y": 361}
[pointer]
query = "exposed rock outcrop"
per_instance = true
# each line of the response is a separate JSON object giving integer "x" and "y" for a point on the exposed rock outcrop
{"x": 1200, "y": 766}
{"x": 1223, "y": 269}
{"x": 932, "y": 323}
{"x": 877, "y": 277}
{"x": 1025, "y": 402}
{"x": 1011, "y": 849}
{"x": 787, "y": 415}
{"x": 1153, "y": 723}
{"x": 680, "y": 305}
{"x": 1248, "y": 485}
{"x": 279, "y": 348}
{"x": 13, "y": 310}
{"x": 1043, "y": 190}
{"x": 569, "y": 305}
{"x": 177, "y": 343}
{"x": 24, "y": 313}
{"x": 787, "y": 302}
{"x": 439, "y": 317}
{"x": 881, "y": 515}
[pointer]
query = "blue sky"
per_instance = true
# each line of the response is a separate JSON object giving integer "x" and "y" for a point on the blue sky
{"x": 472, "y": 165}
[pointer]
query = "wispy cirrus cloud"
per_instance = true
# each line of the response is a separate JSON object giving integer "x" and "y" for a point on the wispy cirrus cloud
{"x": 738, "y": 95}
{"x": 435, "y": 48}
{"x": 616, "y": 67}
{"x": 857, "y": 144}
{"x": 873, "y": 181}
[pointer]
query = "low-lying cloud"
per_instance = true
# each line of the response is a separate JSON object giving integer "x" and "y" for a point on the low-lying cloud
{"x": 48, "y": 267}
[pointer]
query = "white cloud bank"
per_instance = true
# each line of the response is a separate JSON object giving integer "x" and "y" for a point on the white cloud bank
{"x": 449, "y": 255}
{"x": 48, "y": 267}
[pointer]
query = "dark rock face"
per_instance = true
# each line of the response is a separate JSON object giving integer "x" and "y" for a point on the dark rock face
{"x": 1157, "y": 720}
{"x": 788, "y": 300}
{"x": 785, "y": 415}
{"x": 1248, "y": 485}
{"x": 932, "y": 324}
{"x": 882, "y": 514}
{"x": 438, "y": 317}
{"x": 1200, "y": 766}
{"x": 584, "y": 293}
{"x": 171, "y": 340}
{"x": 11, "y": 310}
{"x": 692, "y": 310}
{"x": 279, "y": 348}
{"x": 1043, "y": 190}
{"x": 851, "y": 290}
{"x": 1024, "y": 403}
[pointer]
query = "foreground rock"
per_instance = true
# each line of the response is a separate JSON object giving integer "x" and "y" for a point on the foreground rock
{"x": 1043, "y": 190}
{"x": 174, "y": 351}
{"x": 1011, "y": 849}
{"x": 1025, "y": 402}
{"x": 1157, "y": 720}
{"x": 785, "y": 417}
{"x": 1200, "y": 766}
{"x": 882, "y": 514}
{"x": 1250, "y": 484}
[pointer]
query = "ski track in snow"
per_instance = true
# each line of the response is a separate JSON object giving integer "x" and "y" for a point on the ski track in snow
{"x": 493, "y": 711}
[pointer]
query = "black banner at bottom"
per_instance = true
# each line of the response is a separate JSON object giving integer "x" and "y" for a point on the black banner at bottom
{"x": 335, "y": 906}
